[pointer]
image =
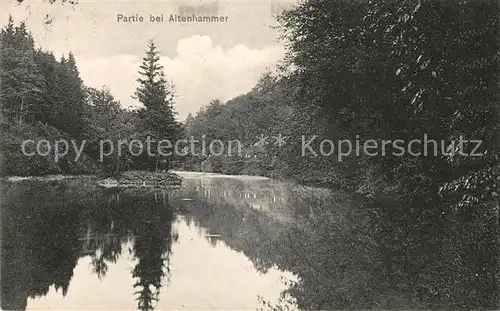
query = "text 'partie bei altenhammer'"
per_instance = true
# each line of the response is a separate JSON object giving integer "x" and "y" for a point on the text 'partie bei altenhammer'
{"x": 170, "y": 18}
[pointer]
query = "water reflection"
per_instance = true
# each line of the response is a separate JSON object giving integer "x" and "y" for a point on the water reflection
{"x": 45, "y": 230}
{"x": 352, "y": 254}
{"x": 194, "y": 247}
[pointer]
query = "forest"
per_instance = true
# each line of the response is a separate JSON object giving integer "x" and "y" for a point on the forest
{"x": 45, "y": 98}
{"x": 374, "y": 70}
{"x": 353, "y": 70}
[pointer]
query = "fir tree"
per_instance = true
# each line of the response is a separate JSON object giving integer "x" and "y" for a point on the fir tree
{"x": 21, "y": 82}
{"x": 157, "y": 97}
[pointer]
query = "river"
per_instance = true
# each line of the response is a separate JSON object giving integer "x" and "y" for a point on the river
{"x": 239, "y": 243}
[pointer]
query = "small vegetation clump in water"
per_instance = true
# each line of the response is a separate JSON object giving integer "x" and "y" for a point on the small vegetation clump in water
{"x": 142, "y": 179}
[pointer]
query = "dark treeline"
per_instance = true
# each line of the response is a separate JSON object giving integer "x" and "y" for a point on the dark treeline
{"x": 44, "y": 98}
{"x": 361, "y": 70}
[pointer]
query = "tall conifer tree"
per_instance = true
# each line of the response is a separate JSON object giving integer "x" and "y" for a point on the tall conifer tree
{"x": 157, "y": 96}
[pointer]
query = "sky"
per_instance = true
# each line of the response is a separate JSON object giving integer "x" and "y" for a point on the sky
{"x": 203, "y": 61}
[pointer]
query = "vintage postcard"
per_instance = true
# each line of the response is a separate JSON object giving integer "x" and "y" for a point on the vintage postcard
{"x": 249, "y": 155}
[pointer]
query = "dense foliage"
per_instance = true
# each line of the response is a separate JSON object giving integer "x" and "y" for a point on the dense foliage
{"x": 361, "y": 70}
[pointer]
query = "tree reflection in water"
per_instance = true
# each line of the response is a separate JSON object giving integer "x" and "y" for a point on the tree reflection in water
{"x": 351, "y": 254}
{"x": 152, "y": 247}
{"x": 47, "y": 227}
{"x": 346, "y": 253}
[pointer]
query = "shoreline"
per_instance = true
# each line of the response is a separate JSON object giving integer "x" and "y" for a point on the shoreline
{"x": 180, "y": 173}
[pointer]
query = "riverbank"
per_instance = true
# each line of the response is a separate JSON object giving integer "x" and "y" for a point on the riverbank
{"x": 46, "y": 177}
{"x": 301, "y": 180}
{"x": 218, "y": 175}
{"x": 128, "y": 179}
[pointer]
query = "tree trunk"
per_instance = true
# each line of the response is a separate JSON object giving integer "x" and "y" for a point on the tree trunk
{"x": 21, "y": 110}
{"x": 165, "y": 198}
{"x": 117, "y": 167}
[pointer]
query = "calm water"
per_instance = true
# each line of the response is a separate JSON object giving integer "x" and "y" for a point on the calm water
{"x": 225, "y": 242}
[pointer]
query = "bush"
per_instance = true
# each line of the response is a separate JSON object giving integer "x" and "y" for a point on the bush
{"x": 14, "y": 162}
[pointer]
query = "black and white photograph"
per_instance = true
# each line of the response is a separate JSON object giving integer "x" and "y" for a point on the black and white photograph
{"x": 264, "y": 155}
